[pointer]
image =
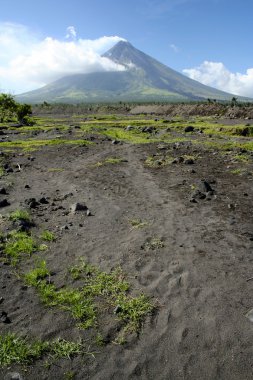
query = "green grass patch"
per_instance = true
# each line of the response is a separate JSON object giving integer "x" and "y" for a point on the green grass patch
{"x": 154, "y": 244}
{"x": 47, "y": 235}
{"x": 29, "y": 144}
{"x": 236, "y": 171}
{"x": 97, "y": 290}
{"x": 138, "y": 223}
{"x": 53, "y": 170}
{"x": 158, "y": 161}
{"x": 110, "y": 160}
{"x": 34, "y": 277}
{"x": 20, "y": 215}
{"x": 17, "y": 245}
{"x": 19, "y": 350}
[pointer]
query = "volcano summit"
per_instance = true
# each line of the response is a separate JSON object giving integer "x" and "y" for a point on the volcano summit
{"x": 143, "y": 78}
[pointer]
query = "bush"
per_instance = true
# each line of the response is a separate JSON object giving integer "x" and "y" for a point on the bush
{"x": 10, "y": 109}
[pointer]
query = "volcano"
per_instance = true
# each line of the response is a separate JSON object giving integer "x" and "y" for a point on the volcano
{"x": 143, "y": 79}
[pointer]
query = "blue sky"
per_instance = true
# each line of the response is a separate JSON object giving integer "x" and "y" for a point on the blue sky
{"x": 208, "y": 40}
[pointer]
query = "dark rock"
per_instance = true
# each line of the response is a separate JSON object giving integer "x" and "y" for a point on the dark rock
{"x": 205, "y": 187}
{"x": 43, "y": 201}
{"x": 244, "y": 132}
{"x": 32, "y": 203}
{"x": 115, "y": 142}
{"x": 3, "y": 190}
{"x": 23, "y": 225}
{"x": 117, "y": 309}
{"x": 189, "y": 128}
{"x": 129, "y": 128}
{"x": 197, "y": 194}
{"x": 27, "y": 187}
{"x": 148, "y": 129}
{"x": 79, "y": 207}
{"x": 4, "y": 318}
{"x": 4, "y": 203}
{"x": 178, "y": 160}
{"x": 189, "y": 161}
{"x": 64, "y": 227}
{"x": 9, "y": 170}
{"x": 1, "y": 300}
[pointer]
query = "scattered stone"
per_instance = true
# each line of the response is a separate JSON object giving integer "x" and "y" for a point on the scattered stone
{"x": 4, "y": 203}
{"x": 67, "y": 195}
{"x": 64, "y": 227}
{"x": 115, "y": 142}
{"x": 27, "y": 187}
{"x": 43, "y": 201}
{"x": 249, "y": 315}
{"x": 129, "y": 128}
{"x": 189, "y": 161}
{"x": 23, "y": 225}
{"x": 1, "y": 300}
{"x": 189, "y": 128}
{"x": 3, "y": 190}
{"x": 4, "y": 318}
{"x": 117, "y": 309}
{"x": 79, "y": 207}
{"x": 192, "y": 171}
{"x": 88, "y": 212}
{"x": 32, "y": 203}
{"x": 205, "y": 187}
{"x": 148, "y": 129}
{"x": 178, "y": 160}
{"x": 197, "y": 194}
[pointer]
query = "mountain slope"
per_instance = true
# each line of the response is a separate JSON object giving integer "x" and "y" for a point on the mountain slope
{"x": 144, "y": 79}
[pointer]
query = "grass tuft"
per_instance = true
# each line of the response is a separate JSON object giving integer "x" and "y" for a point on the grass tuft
{"x": 138, "y": 223}
{"x": 84, "y": 303}
{"x": 18, "y": 244}
{"x": 20, "y": 215}
{"x": 47, "y": 236}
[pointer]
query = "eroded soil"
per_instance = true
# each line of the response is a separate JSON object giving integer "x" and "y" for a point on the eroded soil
{"x": 198, "y": 276}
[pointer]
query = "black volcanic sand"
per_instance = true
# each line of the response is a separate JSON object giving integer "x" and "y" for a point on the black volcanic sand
{"x": 197, "y": 280}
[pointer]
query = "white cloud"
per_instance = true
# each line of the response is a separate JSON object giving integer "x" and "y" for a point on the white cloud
{"x": 71, "y": 33}
{"x": 174, "y": 48}
{"x": 28, "y": 62}
{"x": 216, "y": 74}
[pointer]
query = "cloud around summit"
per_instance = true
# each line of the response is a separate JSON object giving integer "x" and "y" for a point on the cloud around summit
{"x": 28, "y": 62}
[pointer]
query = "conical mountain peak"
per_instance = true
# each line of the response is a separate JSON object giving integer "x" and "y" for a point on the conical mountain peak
{"x": 144, "y": 79}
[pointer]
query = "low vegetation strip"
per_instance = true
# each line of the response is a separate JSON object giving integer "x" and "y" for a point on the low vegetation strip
{"x": 84, "y": 303}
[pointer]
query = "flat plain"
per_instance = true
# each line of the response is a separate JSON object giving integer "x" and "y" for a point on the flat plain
{"x": 126, "y": 247}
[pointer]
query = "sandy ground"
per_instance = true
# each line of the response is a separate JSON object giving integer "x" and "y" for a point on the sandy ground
{"x": 197, "y": 280}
